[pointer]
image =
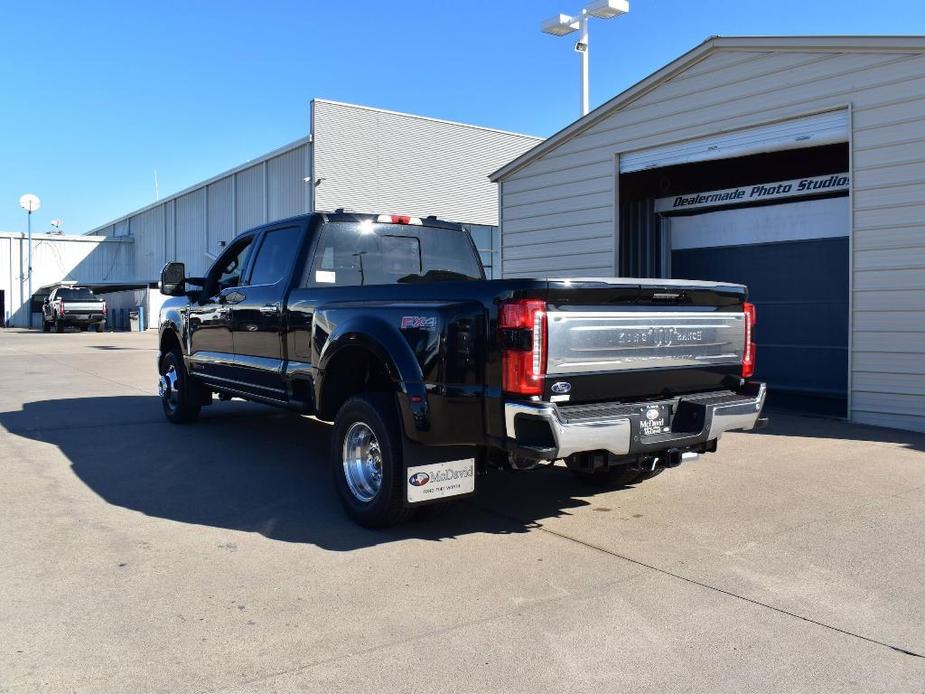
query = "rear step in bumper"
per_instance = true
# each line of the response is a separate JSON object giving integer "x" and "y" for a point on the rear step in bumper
{"x": 616, "y": 428}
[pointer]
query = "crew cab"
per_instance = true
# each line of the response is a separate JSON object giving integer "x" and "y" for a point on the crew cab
{"x": 69, "y": 305}
{"x": 386, "y": 326}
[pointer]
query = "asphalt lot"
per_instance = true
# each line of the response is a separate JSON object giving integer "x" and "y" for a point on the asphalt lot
{"x": 136, "y": 555}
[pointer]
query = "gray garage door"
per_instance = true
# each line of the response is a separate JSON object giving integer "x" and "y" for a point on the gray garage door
{"x": 794, "y": 259}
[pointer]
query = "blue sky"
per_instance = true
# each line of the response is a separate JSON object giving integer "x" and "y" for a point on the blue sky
{"x": 97, "y": 95}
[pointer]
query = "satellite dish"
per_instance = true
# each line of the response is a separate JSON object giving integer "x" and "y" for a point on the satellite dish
{"x": 30, "y": 202}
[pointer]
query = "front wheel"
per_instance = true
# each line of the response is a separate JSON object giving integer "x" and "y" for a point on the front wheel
{"x": 178, "y": 392}
{"x": 366, "y": 456}
{"x": 46, "y": 326}
{"x": 59, "y": 326}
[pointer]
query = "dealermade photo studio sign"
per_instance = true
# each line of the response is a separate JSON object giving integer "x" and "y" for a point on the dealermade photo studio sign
{"x": 760, "y": 192}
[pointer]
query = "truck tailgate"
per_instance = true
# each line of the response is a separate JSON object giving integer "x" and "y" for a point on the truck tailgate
{"x": 77, "y": 308}
{"x": 642, "y": 338}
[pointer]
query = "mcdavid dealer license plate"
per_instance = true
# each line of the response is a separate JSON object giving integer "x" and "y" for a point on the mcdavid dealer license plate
{"x": 655, "y": 420}
{"x": 439, "y": 480}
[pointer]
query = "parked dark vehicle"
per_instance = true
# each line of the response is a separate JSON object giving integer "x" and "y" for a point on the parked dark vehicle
{"x": 73, "y": 306}
{"x": 386, "y": 326}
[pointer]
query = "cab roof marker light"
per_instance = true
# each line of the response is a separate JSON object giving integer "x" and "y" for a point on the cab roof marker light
{"x": 398, "y": 219}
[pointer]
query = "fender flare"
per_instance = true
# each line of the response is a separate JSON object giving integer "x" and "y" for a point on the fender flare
{"x": 385, "y": 343}
{"x": 382, "y": 339}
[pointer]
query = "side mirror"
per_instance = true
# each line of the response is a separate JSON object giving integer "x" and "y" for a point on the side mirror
{"x": 173, "y": 279}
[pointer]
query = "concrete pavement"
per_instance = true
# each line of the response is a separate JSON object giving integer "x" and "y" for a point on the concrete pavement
{"x": 138, "y": 555}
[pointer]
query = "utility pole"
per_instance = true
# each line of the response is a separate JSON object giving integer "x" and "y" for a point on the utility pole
{"x": 30, "y": 203}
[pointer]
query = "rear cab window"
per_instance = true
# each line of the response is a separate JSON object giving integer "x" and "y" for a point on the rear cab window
{"x": 363, "y": 253}
{"x": 75, "y": 294}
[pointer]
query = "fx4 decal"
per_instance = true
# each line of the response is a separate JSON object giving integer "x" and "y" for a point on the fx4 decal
{"x": 418, "y": 322}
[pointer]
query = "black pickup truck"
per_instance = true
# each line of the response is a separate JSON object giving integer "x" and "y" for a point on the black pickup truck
{"x": 386, "y": 325}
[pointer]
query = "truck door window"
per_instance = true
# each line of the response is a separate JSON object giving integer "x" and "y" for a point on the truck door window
{"x": 227, "y": 271}
{"x": 275, "y": 256}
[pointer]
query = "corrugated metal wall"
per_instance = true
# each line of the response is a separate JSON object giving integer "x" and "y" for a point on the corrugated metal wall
{"x": 558, "y": 211}
{"x": 371, "y": 160}
{"x": 191, "y": 225}
{"x": 220, "y": 213}
{"x": 379, "y": 161}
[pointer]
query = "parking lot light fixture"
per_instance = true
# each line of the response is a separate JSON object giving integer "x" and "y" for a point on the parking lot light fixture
{"x": 563, "y": 24}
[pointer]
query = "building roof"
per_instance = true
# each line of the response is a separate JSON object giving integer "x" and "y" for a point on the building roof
{"x": 838, "y": 44}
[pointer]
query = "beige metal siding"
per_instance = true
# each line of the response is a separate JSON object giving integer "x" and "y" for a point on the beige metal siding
{"x": 191, "y": 231}
{"x": 191, "y": 225}
{"x": 250, "y": 210}
{"x": 220, "y": 225}
{"x": 379, "y": 161}
{"x": 556, "y": 201}
{"x": 147, "y": 229}
{"x": 286, "y": 185}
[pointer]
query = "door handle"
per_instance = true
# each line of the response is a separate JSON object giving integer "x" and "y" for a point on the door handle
{"x": 269, "y": 309}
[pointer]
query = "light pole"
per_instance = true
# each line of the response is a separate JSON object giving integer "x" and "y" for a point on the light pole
{"x": 30, "y": 203}
{"x": 563, "y": 24}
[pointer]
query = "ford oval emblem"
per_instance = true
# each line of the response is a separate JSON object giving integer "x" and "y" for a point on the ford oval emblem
{"x": 419, "y": 479}
{"x": 561, "y": 387}
{"x": 653, "y": 413}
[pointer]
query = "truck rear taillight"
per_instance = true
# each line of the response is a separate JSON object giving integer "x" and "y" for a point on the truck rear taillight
{"x": 748, "y": 356}
{"x": 104, "y": 308}
{"x": 61, "y": 307}
{"x": 522, "y": 328}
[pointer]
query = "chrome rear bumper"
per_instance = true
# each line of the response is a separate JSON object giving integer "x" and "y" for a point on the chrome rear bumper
{"x": 615, "y": 428}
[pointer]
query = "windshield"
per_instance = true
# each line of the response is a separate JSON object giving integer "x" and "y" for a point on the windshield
{"x": 76, "y": 294}
{"x": 364, "y": 253}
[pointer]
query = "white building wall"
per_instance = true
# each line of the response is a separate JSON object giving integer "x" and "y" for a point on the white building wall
{"x": 83, "y": 259}
{"x": 558, "y": 211}
{"x": 379, "y": 161}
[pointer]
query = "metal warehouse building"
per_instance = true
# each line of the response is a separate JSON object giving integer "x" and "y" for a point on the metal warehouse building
{"x": 357, "y": 158}
{"x": 795, "y": 165}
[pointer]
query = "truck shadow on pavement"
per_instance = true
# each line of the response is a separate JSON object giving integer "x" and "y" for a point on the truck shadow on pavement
{"x": 250, "y": 468}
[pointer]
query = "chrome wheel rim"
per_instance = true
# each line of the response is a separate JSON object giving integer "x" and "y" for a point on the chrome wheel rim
{"x": 167, "y": 387}
{"x": 362, "y": 460}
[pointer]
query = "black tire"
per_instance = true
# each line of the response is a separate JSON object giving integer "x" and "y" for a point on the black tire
{"x": 46, "y": 326}
{"x": 84, "y": 327}
{"x": 181, "y": 402}
{"x": 101, "y": 326}
{"x": 59, "y": 326}
{"x": 611, "y": 478}
{"x": 385, "y": 506}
